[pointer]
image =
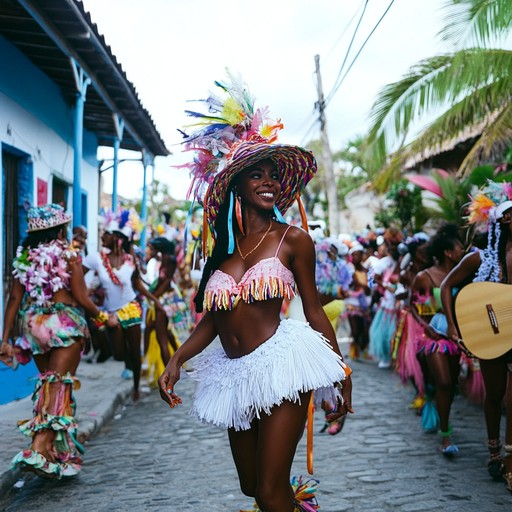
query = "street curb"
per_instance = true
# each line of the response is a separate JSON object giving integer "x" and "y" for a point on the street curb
{"x": 88, "y": 427}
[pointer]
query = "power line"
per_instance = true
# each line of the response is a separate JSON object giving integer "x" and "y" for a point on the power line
{"x": 310, "y": 129}
{"x": 333, "y": 92}
{"x": 345, "y": 30}
{"x": 348, "y": 49}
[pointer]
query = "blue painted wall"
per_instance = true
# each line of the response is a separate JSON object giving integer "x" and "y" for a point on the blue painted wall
{"x": 16, "y": 384}
{"x": 28, "y": 86}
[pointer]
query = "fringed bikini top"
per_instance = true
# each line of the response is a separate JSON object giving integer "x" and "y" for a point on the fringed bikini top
{"x": 267, "y": 279}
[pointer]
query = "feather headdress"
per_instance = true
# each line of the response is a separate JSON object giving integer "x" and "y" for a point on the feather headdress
{"x": 489, "y": 204}
{"x": 232, "y": 136}
{"x": 230, "y": 119}
{"x": 127, "y": 222}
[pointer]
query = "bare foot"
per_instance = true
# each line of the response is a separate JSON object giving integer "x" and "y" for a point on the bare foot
{"x": 43, "y": 444}
{"x": 136, "y": 395}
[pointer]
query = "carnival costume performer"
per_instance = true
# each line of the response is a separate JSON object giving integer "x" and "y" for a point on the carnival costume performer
{"x": 333, "y": 277}
{"x": 258, "y": 384}
{"x": 492, "y": 208}
{"x": 49, "y": 286}
{"x": 166, "y": 329}
{"x": 386, "y": 277}
{"x": 409, "y": 331}
{"x": 441, "y": 353}
{"x": 119, "y": 276}
{"x": 357, "y": 302}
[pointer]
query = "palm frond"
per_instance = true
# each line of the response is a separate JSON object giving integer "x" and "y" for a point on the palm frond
{"x": 436, "y": 83}
{"x": 476, "y": 22}
{"x": 495, "y": 138}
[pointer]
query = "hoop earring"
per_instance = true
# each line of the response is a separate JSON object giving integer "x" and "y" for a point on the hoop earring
{"x": 238, "y": 213}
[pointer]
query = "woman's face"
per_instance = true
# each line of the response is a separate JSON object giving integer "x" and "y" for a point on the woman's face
{"x": 259, "y": 185}
{"x": 107, "y": 239}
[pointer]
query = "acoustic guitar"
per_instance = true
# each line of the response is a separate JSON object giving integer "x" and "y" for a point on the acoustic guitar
{"x": 484, "y": 316}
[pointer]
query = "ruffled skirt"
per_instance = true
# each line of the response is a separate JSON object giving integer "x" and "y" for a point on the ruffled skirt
{"x": 48, "y": 327}
{"x": 231, "y": 393}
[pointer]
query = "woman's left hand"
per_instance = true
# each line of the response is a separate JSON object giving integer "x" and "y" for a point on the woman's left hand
{"x": 113, "y": 320}
{"x": 7, "y": 354}
{"x": 344, "y": 408}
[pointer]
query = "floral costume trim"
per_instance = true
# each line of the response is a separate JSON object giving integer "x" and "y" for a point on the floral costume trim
{"x": 51, "y": 326}
{"x": 61, "y": 420}
{"x": 130, "y": 314}
{"x": 43, "y": 270}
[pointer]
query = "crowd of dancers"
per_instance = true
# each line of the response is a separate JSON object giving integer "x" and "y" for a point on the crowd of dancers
{"x": 385, "y": 286}
{"x": 399, "y": 301}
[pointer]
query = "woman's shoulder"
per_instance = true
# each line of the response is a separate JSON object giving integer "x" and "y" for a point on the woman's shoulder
{"x": 295, "y": 234}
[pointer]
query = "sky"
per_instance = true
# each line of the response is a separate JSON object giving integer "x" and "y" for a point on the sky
{"x": 173, "y": 51}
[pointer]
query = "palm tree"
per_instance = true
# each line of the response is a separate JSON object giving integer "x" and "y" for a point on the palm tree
{"x": 471, "y": 87}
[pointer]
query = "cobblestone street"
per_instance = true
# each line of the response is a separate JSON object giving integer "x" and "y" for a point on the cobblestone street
{"x": 152, "y": 458}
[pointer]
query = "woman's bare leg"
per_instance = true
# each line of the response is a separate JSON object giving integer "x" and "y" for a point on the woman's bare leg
{"x": 162, "y": 336}
{"x": 443, "y": 369}
{"x": 133, "y": 335}
{"x": 264, "y": 454}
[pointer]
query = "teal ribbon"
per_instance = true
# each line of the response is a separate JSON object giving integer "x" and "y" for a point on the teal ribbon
{"x": 231, "y": 236}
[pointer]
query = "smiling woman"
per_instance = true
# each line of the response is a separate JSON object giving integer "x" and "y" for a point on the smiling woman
{"x": 259, "y": 382}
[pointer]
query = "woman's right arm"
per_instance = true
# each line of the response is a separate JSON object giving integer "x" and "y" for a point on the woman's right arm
{"x": 204, "y": 333}
{"x": 11, "y": 310}
{"x": 466, "y": 267}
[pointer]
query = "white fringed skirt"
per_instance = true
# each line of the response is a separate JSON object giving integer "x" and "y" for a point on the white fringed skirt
{"x": 232, "y": 392}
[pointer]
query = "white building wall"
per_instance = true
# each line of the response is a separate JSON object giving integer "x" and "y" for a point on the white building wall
{"x": 51, "y": 156}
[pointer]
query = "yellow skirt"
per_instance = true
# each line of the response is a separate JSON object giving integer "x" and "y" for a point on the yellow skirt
{"x": 155, "y": 365}
{"x": 333, "y": 311}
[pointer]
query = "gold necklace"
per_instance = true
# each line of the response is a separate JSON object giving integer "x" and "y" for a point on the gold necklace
{"x": 256, "y": 246}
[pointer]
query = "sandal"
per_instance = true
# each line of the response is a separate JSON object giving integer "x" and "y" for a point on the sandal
{"x": 495, "y": 462}
{"x": 336, "y": 426}
{"x": 449, "y": 450}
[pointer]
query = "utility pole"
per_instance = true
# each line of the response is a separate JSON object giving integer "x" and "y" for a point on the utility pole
{"x": 330, "y": 184}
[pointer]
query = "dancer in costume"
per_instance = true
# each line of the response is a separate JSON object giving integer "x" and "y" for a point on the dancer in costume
{"x": 120, "y": 278}
{"x": 386, "y": 277}
{"x": 168, "y": 328}
{"x": 409, "y": 332}
{"x": 259, "y": 382}
{"x": 441, "y": 354}
{"x": 357, "y": 302}
{"x": 333, "y": 278}
{"x": 50, "y": 289}
{"x": 491, "y": 207}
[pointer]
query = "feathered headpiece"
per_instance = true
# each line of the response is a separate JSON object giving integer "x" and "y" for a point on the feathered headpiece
{"x": 232, "y": 136}
{"x": 126, "y": 222}
{"x": 488, "y": 206}
{"x": 490, "y": 202}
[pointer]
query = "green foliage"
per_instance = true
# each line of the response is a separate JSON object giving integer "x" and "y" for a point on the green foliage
{"x": 470, "y": 87}
{"x": 405, "y": 210}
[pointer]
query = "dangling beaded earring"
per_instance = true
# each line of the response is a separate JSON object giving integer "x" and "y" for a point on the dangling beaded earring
{"x": 238, "y": 213}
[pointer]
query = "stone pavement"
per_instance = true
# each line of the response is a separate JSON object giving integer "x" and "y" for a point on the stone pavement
{"x": 102, "y": 392}
{"x": 154, "y": 459}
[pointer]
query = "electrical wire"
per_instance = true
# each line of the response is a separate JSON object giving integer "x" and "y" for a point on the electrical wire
{"x": 333, "y": 92}
{"x": 343, "y": 32}
{"x": 347, "y": 52}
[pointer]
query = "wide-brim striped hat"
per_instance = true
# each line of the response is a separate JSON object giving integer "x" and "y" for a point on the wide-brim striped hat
{"x": 296, "y": 167}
